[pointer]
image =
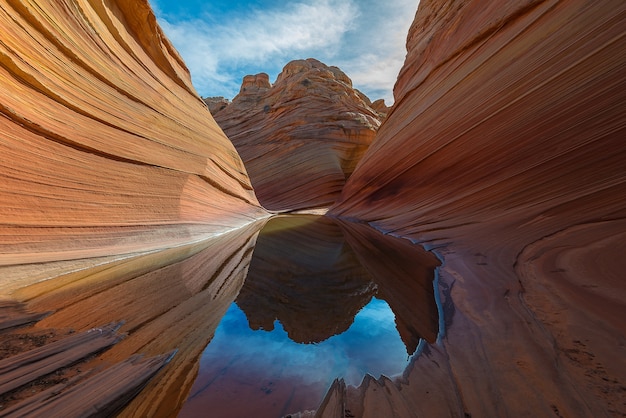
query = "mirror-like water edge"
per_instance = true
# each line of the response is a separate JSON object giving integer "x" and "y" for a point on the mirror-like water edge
{"x": 313, "y": 309}
{"x": 307, "y": 279}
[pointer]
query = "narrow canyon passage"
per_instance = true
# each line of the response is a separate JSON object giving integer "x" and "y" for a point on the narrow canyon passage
{"x": 480, "y": 220}
{"x": 263, "y": 319}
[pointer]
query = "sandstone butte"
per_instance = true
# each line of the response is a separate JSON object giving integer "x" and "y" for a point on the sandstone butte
{"x": 301, "y": 137}
{"x": 505, "y": 152}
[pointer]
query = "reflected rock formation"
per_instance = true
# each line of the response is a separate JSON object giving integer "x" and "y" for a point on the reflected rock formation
{"x": 505, "y": 150}
{"x": 404, "y": 273}
{"x": 304, "y": 275}
{"x": 105, "y": 146}
{"x": 313, "y": 275}
{"x": 168, "y": 300}
{"x": 301, "y": 137}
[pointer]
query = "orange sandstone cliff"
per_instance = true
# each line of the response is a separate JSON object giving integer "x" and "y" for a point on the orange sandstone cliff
{"x": 505, "y": 152}
{"x": 301, "y": 137}
{"x": 120, "y": 197}
{"x": 105, "y": 147}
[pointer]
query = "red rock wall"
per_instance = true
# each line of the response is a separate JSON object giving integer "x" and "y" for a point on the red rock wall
{"x": 103, "y": 139}
{"x": 504, "y": 152}
{"x": 301, "y": 137}
{"x": 501, "y": 108}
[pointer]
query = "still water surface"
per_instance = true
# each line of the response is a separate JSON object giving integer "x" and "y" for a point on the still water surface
{"x": 321, "y": 300}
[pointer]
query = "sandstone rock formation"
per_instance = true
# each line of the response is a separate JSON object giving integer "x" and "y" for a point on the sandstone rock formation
{"x": 216, "y": 104}
{"x": 381, "y": 107}
{"x": 105, "y": 146}
{"x": 505, "y": 150}
{"x": 301, "y": 137}
{"x": 112, "y": 169}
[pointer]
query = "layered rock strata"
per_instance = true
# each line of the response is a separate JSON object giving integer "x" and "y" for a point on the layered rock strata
{"x": 301, "y": 137}
{"x": 505, "y": 151}
{"x": 105, "y": 147}
{"x": 167, "y": 300}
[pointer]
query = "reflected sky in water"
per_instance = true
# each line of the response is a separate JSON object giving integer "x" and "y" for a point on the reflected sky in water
{"x": 245, "y": 372}
{"x": 371, "y": 345}
{"x": 316, "y": 305}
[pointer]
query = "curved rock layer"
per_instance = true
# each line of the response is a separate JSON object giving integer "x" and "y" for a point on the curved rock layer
{"x": 167, "y": 300}
{"x": 505, "y": 149}
{"x": 301, "y": 137}
{"x": 105, "y": 147}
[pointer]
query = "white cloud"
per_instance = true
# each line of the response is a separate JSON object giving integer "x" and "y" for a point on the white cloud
{"x": 381, "y": 44}
{"x": 366, "y": 39}
{"x": 263, "y": 38}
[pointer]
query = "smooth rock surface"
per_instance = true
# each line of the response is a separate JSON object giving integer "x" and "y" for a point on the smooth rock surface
{"x": 105, "y": 147}
{"x": 168, "y": 300}
{"x": 505, "y": 153}
{"x": 301, "y": 137}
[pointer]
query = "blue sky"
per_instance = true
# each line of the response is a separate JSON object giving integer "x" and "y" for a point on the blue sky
{"x": 223, "y": 40}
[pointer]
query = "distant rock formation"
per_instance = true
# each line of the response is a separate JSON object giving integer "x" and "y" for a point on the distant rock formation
{"x": 300, "y": 138}
{"x": 216, "y": 104}
{"x": 505, "y": 151}
{"x": 105, "y": 148}
{"x": 380, "y": 106}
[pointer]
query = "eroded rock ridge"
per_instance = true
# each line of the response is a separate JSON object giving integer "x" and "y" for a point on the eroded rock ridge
{"x": 301, "y": 137}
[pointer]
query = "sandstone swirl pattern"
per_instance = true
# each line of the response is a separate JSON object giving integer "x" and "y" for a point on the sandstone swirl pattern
{"x": 105, "y": 147}
{"x": 301, "y": 137}
{"x": 506, "y": 150}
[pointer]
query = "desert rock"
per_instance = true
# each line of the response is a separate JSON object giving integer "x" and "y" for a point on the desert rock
{"x": 504, "y": 152}
{"x": 216, "y": 103}
{"x": 301, "y": 137}
{"x": 106, "y": 148}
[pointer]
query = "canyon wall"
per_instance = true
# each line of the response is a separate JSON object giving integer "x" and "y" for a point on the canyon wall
{"x": 301, "y": 137}
{"x": 105, "y": 147}
{"x": 515, "y": 108}
{"x": 504, "y": 153}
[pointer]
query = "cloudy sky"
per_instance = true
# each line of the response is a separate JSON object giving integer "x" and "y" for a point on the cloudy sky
{"x": 223, "y": 40}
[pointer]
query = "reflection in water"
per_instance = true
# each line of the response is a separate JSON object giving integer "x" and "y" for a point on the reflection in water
{"x": 304, "y": 275}
{"x": 315, "y": 299}
{"x": 307, "y": 314}
{"x": 170, "y": 299}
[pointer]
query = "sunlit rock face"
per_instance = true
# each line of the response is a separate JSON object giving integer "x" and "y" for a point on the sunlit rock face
{"x": 301, "y": 137}
{"x": 505, "y": 152}
{"x": 105, "y": 147}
